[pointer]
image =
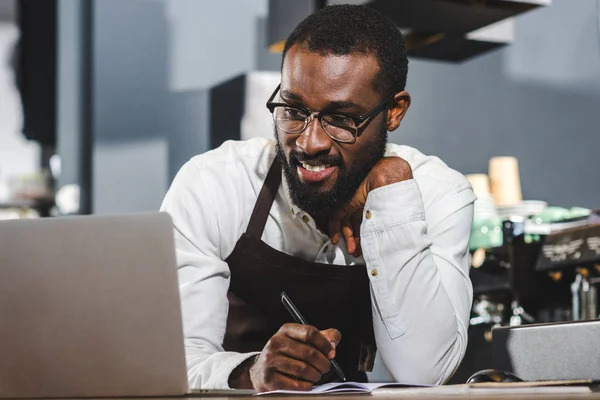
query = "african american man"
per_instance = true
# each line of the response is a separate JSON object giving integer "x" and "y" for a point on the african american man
{"x": 369, "y": 239}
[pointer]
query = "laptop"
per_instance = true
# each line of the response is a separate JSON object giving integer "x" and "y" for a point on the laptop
{"x": 90, "y": 307}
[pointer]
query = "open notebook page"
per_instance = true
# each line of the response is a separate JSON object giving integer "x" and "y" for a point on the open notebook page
{"x": 342, "y": 387}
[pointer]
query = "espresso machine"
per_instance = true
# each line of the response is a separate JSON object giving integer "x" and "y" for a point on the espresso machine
{"x": 542, "y": 273}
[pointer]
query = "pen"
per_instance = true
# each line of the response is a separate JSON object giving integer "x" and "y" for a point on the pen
{"x": 287, "y": 302}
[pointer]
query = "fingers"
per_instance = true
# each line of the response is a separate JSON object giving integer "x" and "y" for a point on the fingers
{"x": 294, "y": 358}
{"x": 348, "y": 234}
{"x": 309, "y": 335}
{"x": 334, "y": 336}
{"x": 289, "y": 383}
{"x": 356, "y": 203}
{"x": 265, "y": 377}
{"x": 358, "y": 251}
{"x": 279, "y": 381}
{"x": 356, "y": 221}
{"x": 297, "y": 369}
{"x": 336, "y": 222}
{"x": 347, "y": 226}
{"x": 335, "y": 226}
{"x": 307, "y": 355}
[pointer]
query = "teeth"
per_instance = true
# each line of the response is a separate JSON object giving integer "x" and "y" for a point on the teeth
{"x": 314, "y": 168}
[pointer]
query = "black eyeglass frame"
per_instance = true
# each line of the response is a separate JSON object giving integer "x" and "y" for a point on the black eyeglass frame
{"x": 359, "y": 121}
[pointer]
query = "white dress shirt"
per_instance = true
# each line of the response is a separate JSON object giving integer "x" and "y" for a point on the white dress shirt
{"x": 415, "y": 248}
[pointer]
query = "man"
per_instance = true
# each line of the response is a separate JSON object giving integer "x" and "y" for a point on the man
{"x": 370, "y": 241}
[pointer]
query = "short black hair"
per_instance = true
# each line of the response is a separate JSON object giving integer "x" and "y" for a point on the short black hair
{"x": 344, "y": 29}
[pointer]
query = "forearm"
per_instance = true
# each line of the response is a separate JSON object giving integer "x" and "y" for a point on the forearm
{"x": 418, "y": 270}
{"x": 203, "y": 282}
{"x": 204, "y": 311}
{"x": 432, "y": 341}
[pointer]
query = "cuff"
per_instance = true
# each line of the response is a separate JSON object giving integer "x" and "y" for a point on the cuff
{"x": 228, "y": 366}
{"x": 391, "y": 205}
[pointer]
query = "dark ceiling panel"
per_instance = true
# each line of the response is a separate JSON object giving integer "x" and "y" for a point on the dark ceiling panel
{"x": 453, "y": 49}
{"x": 436, "y": 29}
{"x": 284, "y": 15}
{"x": 456, "y": 17}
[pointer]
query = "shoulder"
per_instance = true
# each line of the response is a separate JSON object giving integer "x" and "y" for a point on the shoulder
{"x": 231, "y": 155}
{"x": 229, "y": 173}
{"x": 213, "y": 193}
{"x": 234, "y": 164}
{"x": 435, "y": 179}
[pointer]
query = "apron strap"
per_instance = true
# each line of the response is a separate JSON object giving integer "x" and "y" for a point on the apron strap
{"x": 265, "y": 201}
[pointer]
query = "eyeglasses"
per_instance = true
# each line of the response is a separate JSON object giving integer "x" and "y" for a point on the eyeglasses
{"x": 341, "y": 127}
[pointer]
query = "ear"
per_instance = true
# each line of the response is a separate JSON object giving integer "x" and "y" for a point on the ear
{"x": 398, "y": 110}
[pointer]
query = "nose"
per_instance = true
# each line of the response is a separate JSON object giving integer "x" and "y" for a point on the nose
{"x": 314, "y": 141}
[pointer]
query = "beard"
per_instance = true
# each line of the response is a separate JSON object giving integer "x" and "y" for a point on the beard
{"x": 316, "y": 201}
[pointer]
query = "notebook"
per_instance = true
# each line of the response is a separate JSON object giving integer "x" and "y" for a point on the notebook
{"x": 343, "y": 387}
{"x": 548, "y": 387}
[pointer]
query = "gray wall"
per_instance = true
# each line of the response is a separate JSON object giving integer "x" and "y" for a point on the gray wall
{"x": 155, "y": 62}
{"x": 538, "y": 100}
{"x": 7, "y": 10}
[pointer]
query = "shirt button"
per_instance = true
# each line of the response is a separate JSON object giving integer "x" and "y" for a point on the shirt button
{"x": 368, "y": 215}
{"x": 374, "y": 272}
{"x": 293, "y": 211}
{"x": 305, "y": 218}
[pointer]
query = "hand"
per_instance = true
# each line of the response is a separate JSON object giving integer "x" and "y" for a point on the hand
{"x": 294, "y": 358}
{"x": 346, "y": 222}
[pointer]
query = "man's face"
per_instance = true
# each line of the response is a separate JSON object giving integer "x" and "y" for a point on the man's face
{"x": 332, "y": 84}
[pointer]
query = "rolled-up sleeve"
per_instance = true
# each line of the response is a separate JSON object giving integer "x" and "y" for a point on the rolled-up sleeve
{"x": 418, "y": 263}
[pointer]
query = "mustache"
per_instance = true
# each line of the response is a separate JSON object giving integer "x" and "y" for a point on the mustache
{"x": 323, "y": 160}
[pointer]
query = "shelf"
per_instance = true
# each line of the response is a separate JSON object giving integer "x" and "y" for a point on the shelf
{"x": 446, "y": 30}
{"x": 453, "y": 17}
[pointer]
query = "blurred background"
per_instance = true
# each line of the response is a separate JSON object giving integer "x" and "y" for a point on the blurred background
{"x": 102, "y": 101}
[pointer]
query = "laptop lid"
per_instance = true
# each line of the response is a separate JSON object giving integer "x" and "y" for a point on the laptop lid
{"x": 89, "y": 307}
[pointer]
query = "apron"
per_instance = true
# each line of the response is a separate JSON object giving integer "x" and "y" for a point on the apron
{"x": 328, "y": 296}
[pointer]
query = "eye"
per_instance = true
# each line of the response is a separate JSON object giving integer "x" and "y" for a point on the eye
{"x": 340, "y": 120}
{"x": 294, "y": 113}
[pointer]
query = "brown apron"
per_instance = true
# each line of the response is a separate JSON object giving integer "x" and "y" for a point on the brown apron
{"x": 329, "y": 296}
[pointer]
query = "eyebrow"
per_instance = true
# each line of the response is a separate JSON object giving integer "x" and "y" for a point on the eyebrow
{"x": 331, "y": 106}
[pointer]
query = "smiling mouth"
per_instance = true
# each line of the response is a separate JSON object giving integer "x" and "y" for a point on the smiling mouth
{"x": 314, "y": 168}
{"x": 315, "y": 174}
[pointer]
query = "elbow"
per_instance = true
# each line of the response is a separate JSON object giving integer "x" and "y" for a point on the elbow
{"x": 431, "y": 357}
{"x": 453, "y": 358}
{"x": 449, "y": 354}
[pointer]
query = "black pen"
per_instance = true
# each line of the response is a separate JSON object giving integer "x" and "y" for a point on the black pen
{"x": 287, "y": 302}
